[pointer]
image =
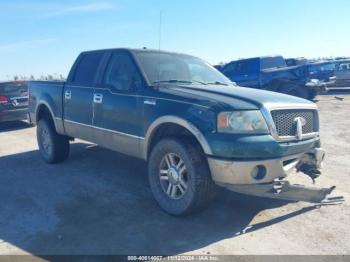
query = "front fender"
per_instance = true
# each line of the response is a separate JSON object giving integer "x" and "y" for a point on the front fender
{"x": 169, "y": 119}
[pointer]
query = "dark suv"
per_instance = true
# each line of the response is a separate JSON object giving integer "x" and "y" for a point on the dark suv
{"x": 13, "y": 101}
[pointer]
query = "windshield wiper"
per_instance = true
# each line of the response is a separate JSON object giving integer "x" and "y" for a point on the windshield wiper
{"x": 172, "y": 81}
{"x": 217, "y": 83}
{"x": 178, "y": 81}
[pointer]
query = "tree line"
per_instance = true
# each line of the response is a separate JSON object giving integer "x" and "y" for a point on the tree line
{"x": 48, "y": 77}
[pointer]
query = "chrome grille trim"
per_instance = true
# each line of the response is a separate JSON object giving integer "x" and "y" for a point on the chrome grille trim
{"x": 285, "y": 124}
{"x": 268, "y": 108}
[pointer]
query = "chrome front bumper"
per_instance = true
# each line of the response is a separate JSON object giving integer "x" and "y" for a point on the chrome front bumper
{"x": 259, "y": 171}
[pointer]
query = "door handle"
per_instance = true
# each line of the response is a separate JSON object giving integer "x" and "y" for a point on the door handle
{"x": 152, "y": 102}
{"x": 68, "y": 94}
{"x": 98, "y": 98}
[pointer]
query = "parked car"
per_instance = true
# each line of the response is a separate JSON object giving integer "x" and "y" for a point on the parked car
{"x": 322, "y": 70}
{"x": 272, "y": 73}
{"x": 193, "y": 126}
{"x": 342, "y": 72}
{"x": 13, "y": 101}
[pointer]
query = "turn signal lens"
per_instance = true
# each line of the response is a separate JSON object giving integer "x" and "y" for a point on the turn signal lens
{"x": 223, "y": 121}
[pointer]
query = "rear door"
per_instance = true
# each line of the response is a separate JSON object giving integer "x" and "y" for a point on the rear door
{"x": 117, "y": 111}
{"x": 78, "y": 96}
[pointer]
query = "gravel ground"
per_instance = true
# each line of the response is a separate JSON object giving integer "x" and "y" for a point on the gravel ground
{"x": 99, "y": 202}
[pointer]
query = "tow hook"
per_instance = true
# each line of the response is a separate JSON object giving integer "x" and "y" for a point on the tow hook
{"x": 310, "y": 170}
{"x": 311, "y": 163}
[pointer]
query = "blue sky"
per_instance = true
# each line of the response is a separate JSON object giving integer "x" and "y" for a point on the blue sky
{"x": 44, "y": 37}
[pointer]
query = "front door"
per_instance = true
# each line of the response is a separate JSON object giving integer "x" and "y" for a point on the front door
{"x": 117, "y": 112}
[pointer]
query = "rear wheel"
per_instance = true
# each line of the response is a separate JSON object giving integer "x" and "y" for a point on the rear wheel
{"x": 53, "y": 147}
{"x": 179, "y": 177}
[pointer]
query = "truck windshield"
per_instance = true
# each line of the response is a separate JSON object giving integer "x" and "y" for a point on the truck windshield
{"x": 273, "y": 62}
{"x": 177, "y": 68}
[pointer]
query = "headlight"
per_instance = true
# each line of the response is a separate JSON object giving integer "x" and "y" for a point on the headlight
{"x": 242, "y": 122}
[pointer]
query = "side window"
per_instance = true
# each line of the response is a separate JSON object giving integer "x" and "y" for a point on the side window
{"x": 344, "y": 67}
{"x": 87, "y": 68}
{"x": 121, "y": 73}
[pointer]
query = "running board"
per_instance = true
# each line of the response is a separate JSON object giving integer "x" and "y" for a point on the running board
{"x": 282, "y": 189}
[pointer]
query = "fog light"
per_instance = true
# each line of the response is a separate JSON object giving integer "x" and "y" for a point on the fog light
{"x": 258, "y": 172}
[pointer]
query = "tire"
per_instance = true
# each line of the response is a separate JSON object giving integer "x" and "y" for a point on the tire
{"x": 53, "y": 147}
{"x": 312, "y": 94}
{"x": 299, "y": 91}
{"x": 199, "y": 189}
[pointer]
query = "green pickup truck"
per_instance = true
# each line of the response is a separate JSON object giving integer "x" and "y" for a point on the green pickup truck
{"x": 195, "y": 128}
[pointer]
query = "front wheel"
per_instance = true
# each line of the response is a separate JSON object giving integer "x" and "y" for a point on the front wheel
{"x": 312, "y": 94}
{"x": 53, "y": 147}
{"x": 179, "y": 177}
{"x": 299, "y": 91}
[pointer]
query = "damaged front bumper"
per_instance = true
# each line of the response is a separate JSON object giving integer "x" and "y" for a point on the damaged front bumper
{"x": 265, "y": 177}
{"x": 282, "y": 189}
{"x": 320, "y": 85}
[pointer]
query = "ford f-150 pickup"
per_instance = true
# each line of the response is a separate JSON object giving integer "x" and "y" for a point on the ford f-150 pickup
{"x": 195, "y": 128}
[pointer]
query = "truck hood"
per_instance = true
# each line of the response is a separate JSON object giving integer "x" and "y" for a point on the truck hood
{"x": 238, "y": 97}
{"x": 286, "y": 68}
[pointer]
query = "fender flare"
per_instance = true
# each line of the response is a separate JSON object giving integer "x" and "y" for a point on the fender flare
{"x": 44, "y": 103}
{"x": 178, "y": 121}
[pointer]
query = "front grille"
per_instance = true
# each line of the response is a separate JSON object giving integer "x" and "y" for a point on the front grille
{"x": 286, "y": 124}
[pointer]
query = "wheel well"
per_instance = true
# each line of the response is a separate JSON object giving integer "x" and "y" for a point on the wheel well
{"x": 277, "y": 85}
{"x": 170, "y": 130}
{"x": 44, "y": 113}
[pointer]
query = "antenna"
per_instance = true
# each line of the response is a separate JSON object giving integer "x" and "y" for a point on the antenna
{"x": 160, "y": 29}
{"x": 159, "y": 43}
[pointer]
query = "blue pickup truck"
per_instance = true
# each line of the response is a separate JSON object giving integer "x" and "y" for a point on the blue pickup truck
{"x": 272, "y": 73}
{"x": 195, "y": 128}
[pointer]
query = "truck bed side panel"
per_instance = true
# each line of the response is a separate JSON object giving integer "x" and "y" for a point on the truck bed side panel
{"x": 49, "y": 94}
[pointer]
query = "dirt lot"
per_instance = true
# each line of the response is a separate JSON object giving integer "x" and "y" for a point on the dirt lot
{"x": 99, "y": 202}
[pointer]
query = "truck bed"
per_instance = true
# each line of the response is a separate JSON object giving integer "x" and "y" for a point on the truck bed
{"x": 48, "y": 92}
